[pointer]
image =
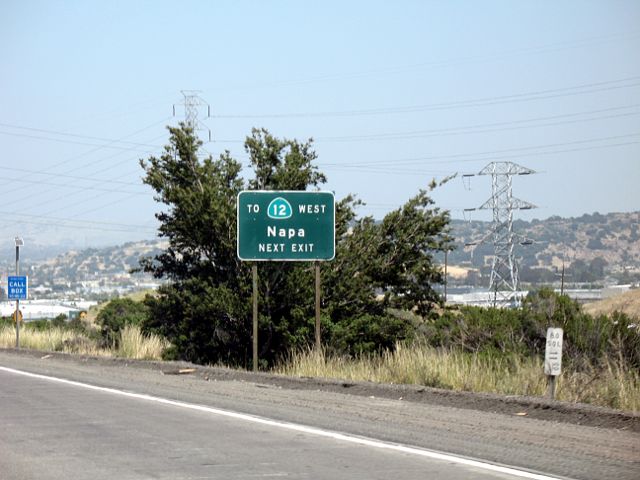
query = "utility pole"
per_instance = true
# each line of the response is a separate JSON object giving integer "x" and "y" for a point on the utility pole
{"x": 504, "y": 280}
{"x": 192, "y": 103}
{"x": 562, "y": 275}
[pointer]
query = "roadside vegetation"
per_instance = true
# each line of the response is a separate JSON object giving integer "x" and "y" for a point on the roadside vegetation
{"x": 205, "y": 310}
{"x": 381, "y": 314}
{"x": 500, "y": 351}
{"x": 382, "y": 318}
{"x": 80, "y": 338}
{"x": 609, "y": 384}
{"x": 465, "y": 349}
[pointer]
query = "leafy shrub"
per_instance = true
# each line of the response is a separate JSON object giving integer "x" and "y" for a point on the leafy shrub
{"x": 117, "y": 314}
{"x": 491, "y": 330}
{"x": 205, "y": 323}
{"x": 39, "y": 325}
{"x": 59, "y": 321}
{"x": 369, "y": 334}
{"x": 588, "y": 340}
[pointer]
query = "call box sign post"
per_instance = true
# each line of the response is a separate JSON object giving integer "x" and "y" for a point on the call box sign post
{"x": 286, "y": 226}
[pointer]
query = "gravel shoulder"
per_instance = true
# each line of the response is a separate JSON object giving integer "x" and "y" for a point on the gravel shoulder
{"x": 567, "y": 440}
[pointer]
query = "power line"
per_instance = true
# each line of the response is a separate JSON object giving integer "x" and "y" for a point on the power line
{"x": 68, "y": 195}
{"x": 91, "y": 210}
{"x": 75, "y": 227}
{"x": 25, "y": 203}
{"x": 93, "y": 150}
{"x": 485, "y": 128}
{"x": 511, "y": 152}
{"x": 72, "y": 177}
{"x": 79, "y": 192}
{"x": 75, "y": 135}
{"x": 105, "y": 205}
{"x": 558, "y": 46}
{"x": 478, "y": 102}
{"x": 82, "y": 221}
{"x": 101, "y": 160}
{"x": 66, "y": 185}
{"x": 75, "y": 142}
{"x": 129, "y": 108}
{"x": 391, "y": 170}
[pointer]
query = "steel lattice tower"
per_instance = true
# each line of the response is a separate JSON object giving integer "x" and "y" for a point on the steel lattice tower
{"x": 192, "y": 102}
{"x": 503, "y": 282}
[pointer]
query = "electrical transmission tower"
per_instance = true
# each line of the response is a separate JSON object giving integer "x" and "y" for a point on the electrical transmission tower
{"x": 192, "y": 103}
{"x": 503, "y": 282}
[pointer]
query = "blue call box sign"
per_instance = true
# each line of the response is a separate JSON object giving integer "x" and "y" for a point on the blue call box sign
{"x": 18, "y": 287}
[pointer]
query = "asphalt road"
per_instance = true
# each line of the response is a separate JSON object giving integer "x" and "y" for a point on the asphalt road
{"x": 154, "y": 425}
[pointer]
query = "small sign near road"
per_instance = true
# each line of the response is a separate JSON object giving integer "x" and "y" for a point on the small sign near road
{"x": 286, "y": 225}
{"x": 553, "y": 352}
{"x": 17, "y": 287}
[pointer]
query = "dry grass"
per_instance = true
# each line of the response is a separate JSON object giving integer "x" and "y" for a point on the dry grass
{"x": 611, "y": 386}
{"x": 628, "y": 303}
{"x": 133, "y": 344}
{"x": 51, "y": 340}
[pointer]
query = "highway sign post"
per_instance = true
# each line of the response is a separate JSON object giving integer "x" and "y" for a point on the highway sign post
{"x": 553, "y": 358}
{"x": 286, "y": 226}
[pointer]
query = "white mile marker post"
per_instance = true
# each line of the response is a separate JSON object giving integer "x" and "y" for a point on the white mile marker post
{"x": 553, "y": 358}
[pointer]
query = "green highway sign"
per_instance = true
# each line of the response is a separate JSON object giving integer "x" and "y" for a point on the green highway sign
{"x": 286, "y": 225}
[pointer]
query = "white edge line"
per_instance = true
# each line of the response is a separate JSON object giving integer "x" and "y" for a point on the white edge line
{"x": 295, "y": 427}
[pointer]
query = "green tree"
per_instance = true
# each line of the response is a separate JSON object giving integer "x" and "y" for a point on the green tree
{"x": 200, "y": 261}
{"x": 205, "y": 309}
{"x": 117, "y": 314}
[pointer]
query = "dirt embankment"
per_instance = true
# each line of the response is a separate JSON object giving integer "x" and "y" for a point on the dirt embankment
{"x": 510, "y": 405}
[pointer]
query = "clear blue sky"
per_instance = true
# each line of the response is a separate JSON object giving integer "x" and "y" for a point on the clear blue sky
{"x": 394, "y": 93}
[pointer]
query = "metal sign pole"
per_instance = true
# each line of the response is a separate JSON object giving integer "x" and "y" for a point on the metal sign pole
{"x": 17, "y": 301}
{"x": 17, "y": 324}
{"x": 317, "y": 269}
{"x": 552, "y": 386}
{"x": 254, "y": 272}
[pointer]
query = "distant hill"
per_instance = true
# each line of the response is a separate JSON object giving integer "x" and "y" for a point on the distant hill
{"x": 593, "y": 246}
{"x": 89, "y": 273}
{"x": 596, "y": 248}
{"x": 95, "y": 262}
{"x": 628, "y": 302}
